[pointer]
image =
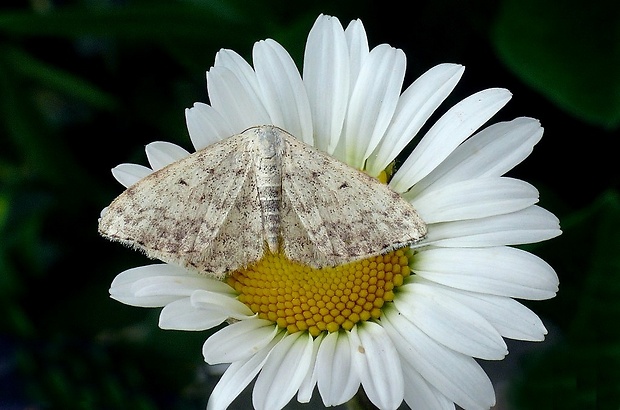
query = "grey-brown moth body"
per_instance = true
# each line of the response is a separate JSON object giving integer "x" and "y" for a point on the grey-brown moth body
{"x": 221, "y": 208}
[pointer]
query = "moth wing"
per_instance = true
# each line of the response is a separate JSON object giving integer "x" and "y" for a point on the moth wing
{"x": 334, "y": 214}
{"x": 201, "y": 212}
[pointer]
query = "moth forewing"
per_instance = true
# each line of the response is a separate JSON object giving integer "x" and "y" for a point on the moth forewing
{"x": 221, "y": 208}
{"x": 345, "y": 214}
{"x": 191, "y": 212}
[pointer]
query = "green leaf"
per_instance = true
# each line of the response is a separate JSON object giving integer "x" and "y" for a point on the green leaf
{"x": 151, "y": 21}
{"x": 569, "y": 51}
{"x": 54, "y": 78}
{"x": 25, "y": 127}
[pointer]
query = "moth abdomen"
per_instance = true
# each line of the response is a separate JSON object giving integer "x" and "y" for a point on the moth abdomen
{"x": 269, "y": 182}
{"x": 270, "y": 198}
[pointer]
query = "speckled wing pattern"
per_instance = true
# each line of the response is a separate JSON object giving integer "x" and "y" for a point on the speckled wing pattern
{"x": 219, "y": 209}
{"x": 334, "y": 214}
{"x": 201, "y": 212}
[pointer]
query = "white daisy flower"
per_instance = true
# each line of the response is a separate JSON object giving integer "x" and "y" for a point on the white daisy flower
{"x": 408, "y": 325}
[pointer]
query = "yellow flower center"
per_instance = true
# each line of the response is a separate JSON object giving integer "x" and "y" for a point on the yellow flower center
{"x": 298, "y": 297}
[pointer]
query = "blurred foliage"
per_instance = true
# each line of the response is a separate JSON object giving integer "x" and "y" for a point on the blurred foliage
{"x": 84, "y": 85}
{"x": 568, "y": 50}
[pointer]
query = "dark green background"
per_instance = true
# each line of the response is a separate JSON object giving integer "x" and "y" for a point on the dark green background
{"x": 84, "y": 85}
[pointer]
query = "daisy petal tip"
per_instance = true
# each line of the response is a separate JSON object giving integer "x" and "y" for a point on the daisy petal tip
{"x": 128, "y": 174}
{"x": 496, "y": 96}
{"x": 455, "y": 69}
{"x": 503, "y": 91}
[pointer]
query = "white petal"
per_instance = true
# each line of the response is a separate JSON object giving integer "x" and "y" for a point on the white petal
{"x": 358, "y": 49}
{"x": 489, "y": 153}
{"x": 326, "y": 77}
{"x": 377, "y": 363}
{"x": 161, "y": 153}
{"x": 283, "y": 373}
{"x": 419, "y": 394}
{"x": 242, "y": 69}
{"x": 238, "y": 376}
{"x": 530, "y": 225}
{"x": 177, "y": 286}
{"x": 155, "y": 269}
{"x": 304, "y": 395}
{"x": 509, "y": 317}
{"x": 337, "y": 379}
{"x": 247, "y": 79}
{"x": 414, "y": 108}
{"x": 126, "y": 286}
{"x": 122, "y": 295}
{"x": 234, "y": 100}
{"x": 238, "y": 341}
{"x": 358, "y": 54}
{"x": 455, "y": 375}
{"x": 373, "y": 102}
{"x": 502, "y": 271}
{"x": 448, "y": 133}
{"x": 283, "y": 91}
{"x": 129, "y": 174}
{"x": 450, "y": 322}
{"x": 206, "y": 126}
{"x": 228, "y": 305}
{"x": 512, "y": 319}
{"x": 182, "y": 315}
{"x": 475, "y": 198}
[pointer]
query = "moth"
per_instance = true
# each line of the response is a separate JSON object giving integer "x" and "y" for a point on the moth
{"x": 221, "y": 208}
